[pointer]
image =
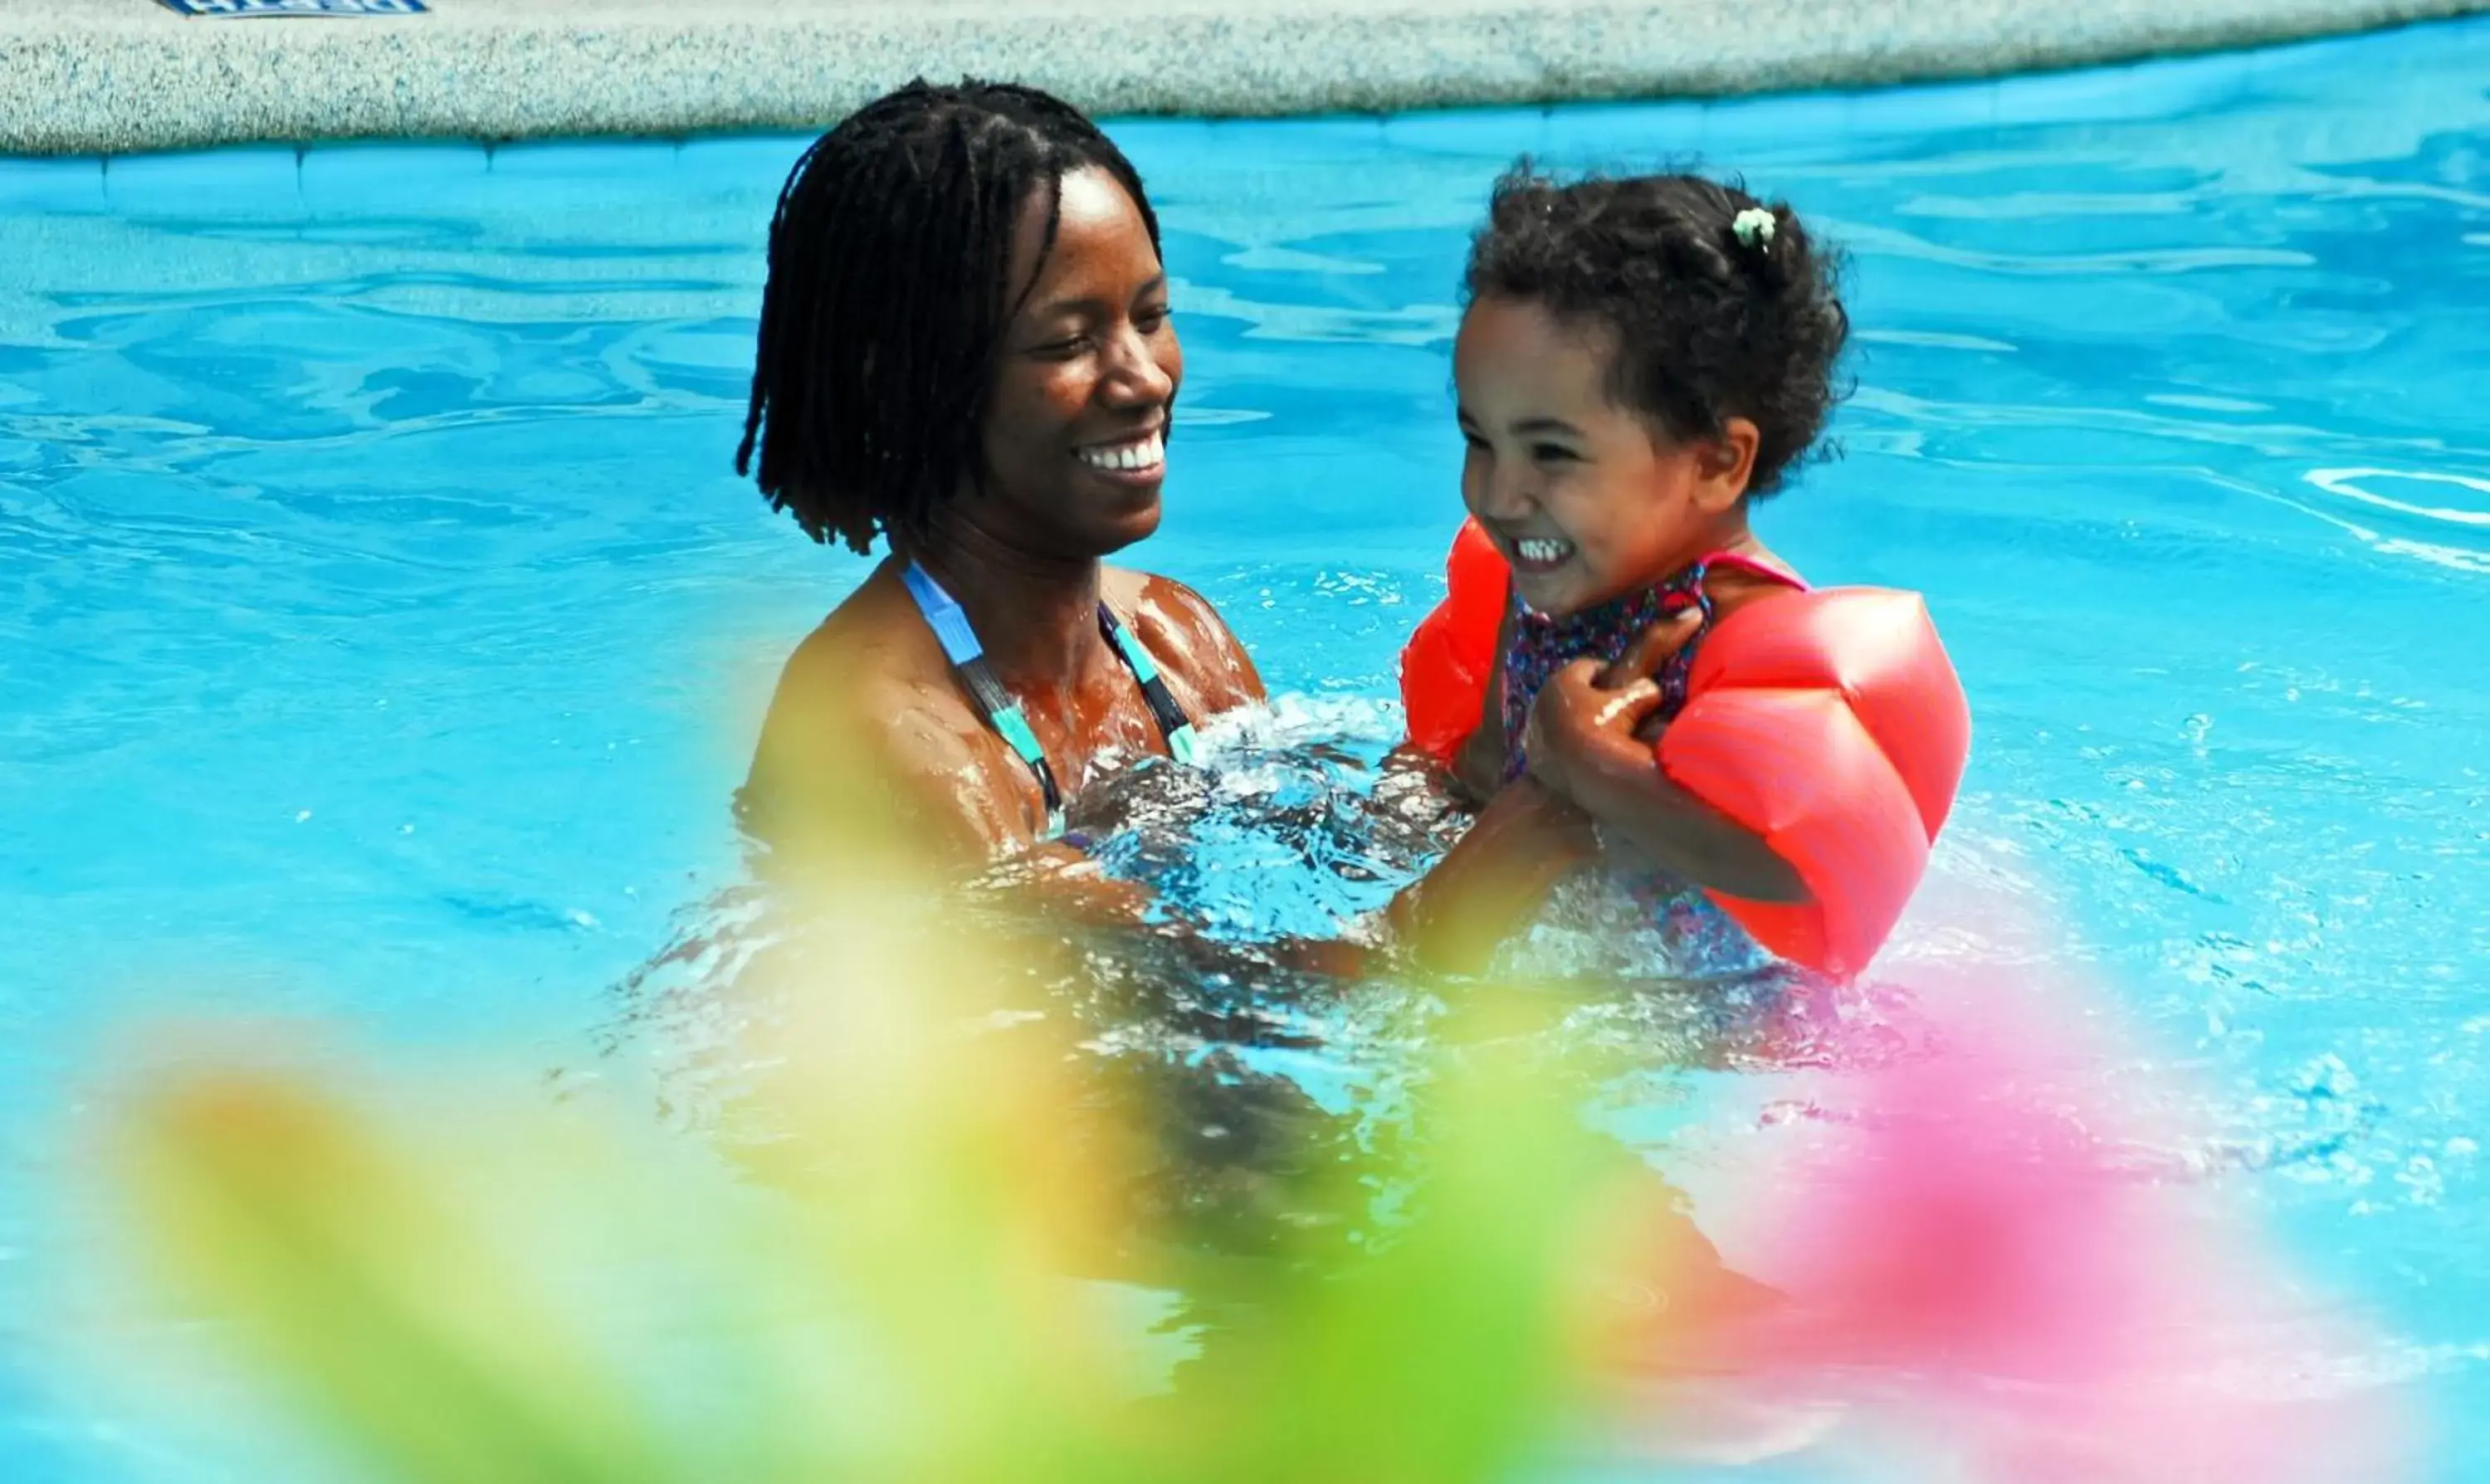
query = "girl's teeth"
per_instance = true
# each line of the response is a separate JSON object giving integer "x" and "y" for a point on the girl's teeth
{"x": 1536, "y": 550}
{"x": 1144, "y": 454}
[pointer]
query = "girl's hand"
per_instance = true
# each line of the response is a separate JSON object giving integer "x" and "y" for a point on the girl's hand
{"x": 1651, "y": 649}
{"x": 1589, "y": 741}
{"x": 1575, "y": 719}
{"x": 1588, "y": 709}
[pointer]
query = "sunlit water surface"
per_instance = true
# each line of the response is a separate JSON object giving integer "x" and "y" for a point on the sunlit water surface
{"x": 385, "y": 628}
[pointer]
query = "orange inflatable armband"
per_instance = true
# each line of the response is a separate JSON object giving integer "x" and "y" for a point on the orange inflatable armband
{"x": 1830, "y": 724}
{"x": 1447, "y": 663}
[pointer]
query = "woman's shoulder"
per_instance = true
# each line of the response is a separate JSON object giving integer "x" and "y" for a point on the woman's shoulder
{"x": 868, "y": 695}
{"x": 870, "y": 673}
{"x": 1186, "y": 637}
{"x": 871, "y": 642}
{"x": 1152, "y": 597}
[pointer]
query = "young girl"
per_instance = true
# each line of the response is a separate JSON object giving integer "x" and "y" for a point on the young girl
{"x": 1641, "y": 360}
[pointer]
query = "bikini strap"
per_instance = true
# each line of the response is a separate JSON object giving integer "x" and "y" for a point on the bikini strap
{"x": 1172, "y": 722}
{"x": 1752, "y": 566}
{"x": 1688, "y": 591}
{"x": 951, "y": 625}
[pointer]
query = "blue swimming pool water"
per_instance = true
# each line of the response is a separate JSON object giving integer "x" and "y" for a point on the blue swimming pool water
{"x": 384, "y": 628}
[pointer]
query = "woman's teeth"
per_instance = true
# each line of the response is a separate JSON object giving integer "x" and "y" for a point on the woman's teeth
{"x": 1540, "y": 552}
{"x": 1146, "y": 452}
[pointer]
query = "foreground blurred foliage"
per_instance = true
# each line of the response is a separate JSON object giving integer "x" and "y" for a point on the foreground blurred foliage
{"x": 918, "y": 1260}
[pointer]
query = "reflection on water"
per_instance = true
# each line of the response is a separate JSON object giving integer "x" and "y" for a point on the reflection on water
{"x": 388, "y": 617}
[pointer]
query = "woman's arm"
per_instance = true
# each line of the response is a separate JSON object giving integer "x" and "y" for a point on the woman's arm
{"x": 1493, "y": 879}
{"x": 843, "y": 757}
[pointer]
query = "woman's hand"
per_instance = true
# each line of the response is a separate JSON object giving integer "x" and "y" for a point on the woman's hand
{"x": 1588, "y": 712}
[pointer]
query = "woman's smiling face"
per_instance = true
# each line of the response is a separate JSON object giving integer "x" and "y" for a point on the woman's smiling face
{"x": 1074, "y": 440}
{"x": 1585, "y": 497}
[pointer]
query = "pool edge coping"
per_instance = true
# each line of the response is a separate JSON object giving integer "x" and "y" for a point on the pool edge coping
{"x": 139, "y": 79}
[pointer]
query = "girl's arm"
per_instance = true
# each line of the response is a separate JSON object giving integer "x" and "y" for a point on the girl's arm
{"x": 1584, "y": 745}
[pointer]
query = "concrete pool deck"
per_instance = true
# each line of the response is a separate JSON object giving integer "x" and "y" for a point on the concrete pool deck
{"x": 113, "y": 76}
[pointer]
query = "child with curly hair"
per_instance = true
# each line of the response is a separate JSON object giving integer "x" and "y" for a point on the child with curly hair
{"x": 1641, "y": 360}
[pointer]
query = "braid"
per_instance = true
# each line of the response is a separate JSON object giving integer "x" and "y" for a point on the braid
{"x": 890, "y": 259}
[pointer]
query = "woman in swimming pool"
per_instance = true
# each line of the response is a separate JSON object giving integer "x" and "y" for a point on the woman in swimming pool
{"x": 965, "y": 353}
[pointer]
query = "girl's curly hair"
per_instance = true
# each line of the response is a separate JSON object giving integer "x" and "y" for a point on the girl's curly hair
{"x": 1709, "y": 322}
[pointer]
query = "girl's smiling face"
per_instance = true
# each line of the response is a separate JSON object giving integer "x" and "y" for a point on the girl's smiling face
{"x": 1587, "y": 497}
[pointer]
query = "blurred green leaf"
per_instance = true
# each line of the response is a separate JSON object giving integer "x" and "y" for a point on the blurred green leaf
{"x": 511, "y": 1290}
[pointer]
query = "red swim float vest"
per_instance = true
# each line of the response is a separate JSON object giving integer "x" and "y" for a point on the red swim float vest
{"x": 1829, "y": 722}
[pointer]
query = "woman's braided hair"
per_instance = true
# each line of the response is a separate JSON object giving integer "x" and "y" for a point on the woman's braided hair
{"x": 889, "y": 260}
{"x": 1721, "y": 306}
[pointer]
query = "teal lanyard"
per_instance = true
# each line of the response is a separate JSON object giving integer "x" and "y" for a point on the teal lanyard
{"x": 950, "y": 625}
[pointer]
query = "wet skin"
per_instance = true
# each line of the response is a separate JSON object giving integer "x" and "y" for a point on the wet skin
{"x": 1088, "y": 364}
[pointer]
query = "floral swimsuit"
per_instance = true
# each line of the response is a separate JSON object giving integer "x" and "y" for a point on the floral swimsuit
{"x": 1702, "y": 940}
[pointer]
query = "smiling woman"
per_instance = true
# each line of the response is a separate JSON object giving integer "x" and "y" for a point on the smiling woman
{"x": 965, "y": 353}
